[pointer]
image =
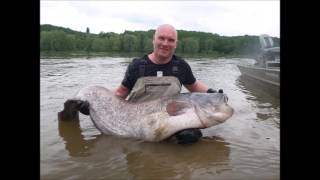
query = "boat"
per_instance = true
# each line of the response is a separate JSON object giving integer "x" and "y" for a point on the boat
{"x": 266, "y": 69}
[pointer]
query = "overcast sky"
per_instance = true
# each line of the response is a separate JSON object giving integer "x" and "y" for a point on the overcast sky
{"x": 228, "y": 18}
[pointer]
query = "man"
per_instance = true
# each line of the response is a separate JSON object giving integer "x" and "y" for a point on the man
{"x": 164, "y": 44}
{"x": 161, "y": 73}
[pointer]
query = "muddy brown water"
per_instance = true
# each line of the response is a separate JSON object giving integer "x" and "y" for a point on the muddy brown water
{"x": 247, "y": 146}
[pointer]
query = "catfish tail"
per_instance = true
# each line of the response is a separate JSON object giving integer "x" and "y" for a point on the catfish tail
{"x": 70, "y": 111}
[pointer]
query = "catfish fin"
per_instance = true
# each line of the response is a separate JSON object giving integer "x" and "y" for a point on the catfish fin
{"x": 175, "y": 108}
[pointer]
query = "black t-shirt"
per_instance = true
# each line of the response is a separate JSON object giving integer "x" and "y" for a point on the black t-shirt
{"x": 145, "y": 67}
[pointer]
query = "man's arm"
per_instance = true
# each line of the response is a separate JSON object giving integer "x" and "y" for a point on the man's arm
{"x": 197, "y": 87}
{"x": 121, "y": 91}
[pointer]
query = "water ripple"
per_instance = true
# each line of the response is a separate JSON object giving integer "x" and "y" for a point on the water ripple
{"x": 244, "y": 146}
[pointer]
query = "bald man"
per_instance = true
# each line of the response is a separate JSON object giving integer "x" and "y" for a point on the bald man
{"x": 161, "y": 73}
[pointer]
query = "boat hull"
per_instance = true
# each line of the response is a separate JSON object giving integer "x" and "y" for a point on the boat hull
{"x": 268, "y": 79}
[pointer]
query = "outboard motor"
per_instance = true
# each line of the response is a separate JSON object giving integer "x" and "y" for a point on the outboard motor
{"x": 266, "y": 41}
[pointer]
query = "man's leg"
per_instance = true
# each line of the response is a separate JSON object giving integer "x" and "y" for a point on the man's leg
{"x": 188, "y": 136}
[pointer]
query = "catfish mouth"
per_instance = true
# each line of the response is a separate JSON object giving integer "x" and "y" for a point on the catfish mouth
{"x": 214, "y": 115}
{"x": 224, "y": 111}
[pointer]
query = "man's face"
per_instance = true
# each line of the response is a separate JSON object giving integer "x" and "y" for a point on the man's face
{"x": 165, "y": 42}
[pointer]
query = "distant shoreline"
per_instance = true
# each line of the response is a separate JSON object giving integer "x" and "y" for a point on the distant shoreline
{"x": 69, "y": 55}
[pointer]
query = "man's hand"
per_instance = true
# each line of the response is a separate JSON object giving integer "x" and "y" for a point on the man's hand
{"x": 188, "y": 136}
{"x": 210, "y": 90}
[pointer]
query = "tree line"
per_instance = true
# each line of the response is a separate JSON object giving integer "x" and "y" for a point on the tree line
{"x": 56, "y": 39}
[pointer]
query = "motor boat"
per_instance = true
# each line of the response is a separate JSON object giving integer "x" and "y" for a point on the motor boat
{"x": 266, "y": 69}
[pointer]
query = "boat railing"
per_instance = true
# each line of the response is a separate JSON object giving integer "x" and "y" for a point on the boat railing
{"x": 272, "y": 64}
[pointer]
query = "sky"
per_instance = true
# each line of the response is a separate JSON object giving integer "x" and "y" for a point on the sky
{"x": 226, "y": 18}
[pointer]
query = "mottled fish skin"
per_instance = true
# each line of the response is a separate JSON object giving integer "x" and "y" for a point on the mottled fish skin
{"x": 154, "y": 120}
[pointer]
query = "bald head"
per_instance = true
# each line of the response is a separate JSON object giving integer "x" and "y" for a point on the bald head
{"x": 166, "y": 28}
{"x": 164, "y": 44}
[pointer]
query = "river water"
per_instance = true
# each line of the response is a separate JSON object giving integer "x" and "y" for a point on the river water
{"x": 247, "y": 146}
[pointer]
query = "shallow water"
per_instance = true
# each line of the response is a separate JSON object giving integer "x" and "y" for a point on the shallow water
{"x": 247, "y": 146}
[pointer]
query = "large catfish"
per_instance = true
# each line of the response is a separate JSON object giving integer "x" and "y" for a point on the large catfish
{"x": 154, "y": 120}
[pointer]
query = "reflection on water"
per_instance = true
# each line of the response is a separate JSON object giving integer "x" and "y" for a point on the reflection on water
{"x": 74, "y": 141}
{"x": 258, "y": 89}
{"x": 168, "y": 161}
{"x": 244, "y": 147}
{"x": 266, "y": 99}
{"x": 164, "y": 160}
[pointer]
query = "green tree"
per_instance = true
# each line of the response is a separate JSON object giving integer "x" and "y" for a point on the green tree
{"x": 99, "y": 45}
{"x": 208, "y": 46}
{"x": 190, "y": 45}
{"x": 45, "y": 40}
{"x": 147, "y": 45}
{"x": 54, "y": 38}
{"x": 130, "y": 43}
{"x": 60, "y": 41}
{"x": 115, "y": 43}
